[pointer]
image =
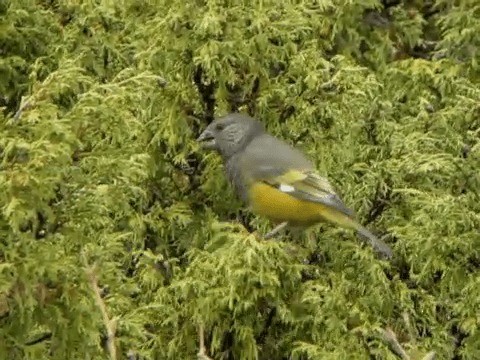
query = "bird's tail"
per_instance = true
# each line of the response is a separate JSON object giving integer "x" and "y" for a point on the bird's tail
{"x": 346, "y": 221}
{"x": 375, "y": 242}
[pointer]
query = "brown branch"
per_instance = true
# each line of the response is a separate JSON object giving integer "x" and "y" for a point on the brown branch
{"x": 110, "y": 324}
{"x": 202, "y": 353}
{"x": 389, "y": 336}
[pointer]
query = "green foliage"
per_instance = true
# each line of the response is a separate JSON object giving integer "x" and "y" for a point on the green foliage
{"x": 101, "y": 103}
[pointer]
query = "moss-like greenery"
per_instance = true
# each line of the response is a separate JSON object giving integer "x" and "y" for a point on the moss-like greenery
{"x": 120, "y": 238}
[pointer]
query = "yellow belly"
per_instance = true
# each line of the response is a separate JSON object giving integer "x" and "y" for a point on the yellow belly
{"x": 278, "y": 206}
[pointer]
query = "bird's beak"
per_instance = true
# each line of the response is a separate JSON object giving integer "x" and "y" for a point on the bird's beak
{"x": 207, "y": 140}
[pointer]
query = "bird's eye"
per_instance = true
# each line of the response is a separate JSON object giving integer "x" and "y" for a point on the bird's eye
{"x": 219, "y": 127}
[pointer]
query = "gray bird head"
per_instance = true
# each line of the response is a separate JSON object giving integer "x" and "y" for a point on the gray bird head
{"x": 230, "y": 133}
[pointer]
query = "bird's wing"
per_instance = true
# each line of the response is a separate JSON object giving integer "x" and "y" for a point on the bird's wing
{"x": 309, "y": 186}
{"x": 278, "y": 164}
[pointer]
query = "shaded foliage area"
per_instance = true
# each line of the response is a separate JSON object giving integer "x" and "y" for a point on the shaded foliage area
{"x": 117, "y": 232}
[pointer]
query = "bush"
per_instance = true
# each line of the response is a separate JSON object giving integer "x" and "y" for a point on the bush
{"x": 120, "y": 238}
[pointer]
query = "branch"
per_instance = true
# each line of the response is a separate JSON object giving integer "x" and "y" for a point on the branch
{"x": 268, "y": 323}
{"x": 110, "y": 324}
{"x": 24, "y": 105}
{"x": 42, "y": 338}
{"x": 389, "y": 336}
{"x": 206, "y": 89}
{"x": 430, "y": 356}
{"x": 202, "y": 353}
{"x": 408, "y": 324}
{"x": 131, "y": 355}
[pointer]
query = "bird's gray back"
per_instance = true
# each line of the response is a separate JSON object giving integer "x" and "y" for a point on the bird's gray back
{"x": 266, "y": 156}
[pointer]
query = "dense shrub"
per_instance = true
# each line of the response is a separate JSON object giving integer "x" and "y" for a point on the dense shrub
{"x": 121, "y": 238}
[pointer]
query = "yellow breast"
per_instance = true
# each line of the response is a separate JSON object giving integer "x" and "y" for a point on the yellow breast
{"x": 278, "y": 206}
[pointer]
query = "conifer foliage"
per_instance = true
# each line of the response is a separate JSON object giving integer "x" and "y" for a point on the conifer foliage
{"x": 120, "y": 238}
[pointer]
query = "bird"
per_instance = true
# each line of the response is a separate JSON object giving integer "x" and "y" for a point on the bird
{"x": 276, "y": 180}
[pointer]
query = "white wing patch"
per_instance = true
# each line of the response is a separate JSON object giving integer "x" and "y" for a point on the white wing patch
{"x": 286, "y": 188}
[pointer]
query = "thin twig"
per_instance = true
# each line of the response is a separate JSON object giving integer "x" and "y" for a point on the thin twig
{"x": 408, "y": 325}
{"x": 430, "y": 356}
{"x": 131, "y": 355}
{"x": 110, "y": 324}
{"x": 23, "y": 106}
{"x": 275, "y": 230}
{"x": 389, "y": 336}
{"x": 202, "y": 352}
